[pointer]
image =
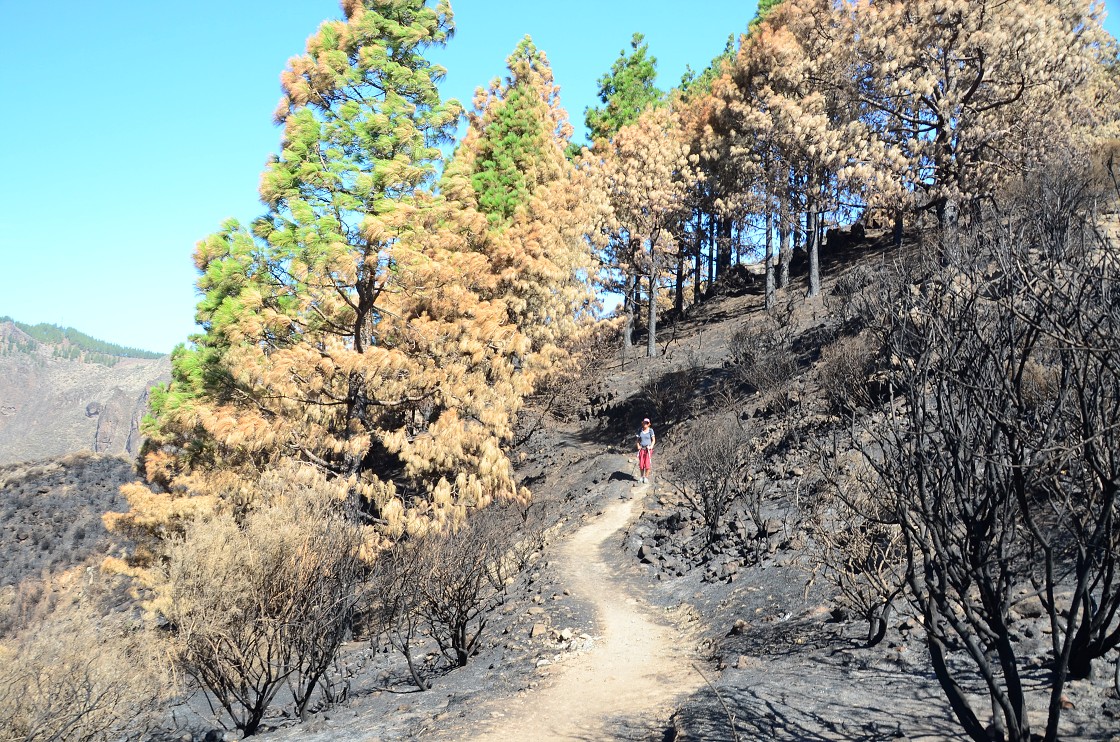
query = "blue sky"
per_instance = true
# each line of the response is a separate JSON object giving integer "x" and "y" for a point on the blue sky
{"x": 132, "y": 129}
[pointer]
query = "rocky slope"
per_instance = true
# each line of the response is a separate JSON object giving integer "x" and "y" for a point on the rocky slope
{"x": 50, "y": 512}
{"x": 52, "y": 405}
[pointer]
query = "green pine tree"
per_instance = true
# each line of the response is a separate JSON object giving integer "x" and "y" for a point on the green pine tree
{"x": 764, "y": 8}
{"x": 365, "y": 326}
{"x": 625, "y": 91}
{"x": 363, "y": 121}
{"x": 516, "y": 131}
{"x": 697, "y": 84}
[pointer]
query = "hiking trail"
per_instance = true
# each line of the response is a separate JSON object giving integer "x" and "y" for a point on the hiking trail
{"x": 638, "y": 666}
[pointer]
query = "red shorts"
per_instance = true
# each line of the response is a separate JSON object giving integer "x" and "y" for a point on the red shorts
{"x": 645, "y": 459}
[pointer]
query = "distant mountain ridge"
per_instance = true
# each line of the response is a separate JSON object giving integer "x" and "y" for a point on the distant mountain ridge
{"x": 62, "y": 391}
{"x": 76, "y": 344}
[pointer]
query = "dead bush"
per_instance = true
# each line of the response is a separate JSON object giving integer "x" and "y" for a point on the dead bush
{"x": 707, "y": 471}
{"x": 844, "y": 372}
{"x": 445, "y": 585}
{"x": 266, "y": 603}
{"x": 396, "y": 594}
{"x": 847, "y": 296}
{"x": 1039, "y": 384}
{"x": 763, "y": 355}
{"x": 997, "y": 461}
{"x": 856, "y": 546}
{"x": 463, "y": 584}
{"x": 76, "y": 678}
{"x": 668, "y": 397}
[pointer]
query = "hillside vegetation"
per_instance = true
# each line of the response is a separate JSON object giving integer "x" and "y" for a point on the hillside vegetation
{"x": 69, "y": 343}
{"x": 867, "y": 271}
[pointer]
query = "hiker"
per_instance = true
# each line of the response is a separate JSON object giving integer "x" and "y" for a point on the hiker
{"x": 646, "y": 440}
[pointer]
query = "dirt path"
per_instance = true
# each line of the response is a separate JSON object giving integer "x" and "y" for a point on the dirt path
{"x": 639, "y": 664}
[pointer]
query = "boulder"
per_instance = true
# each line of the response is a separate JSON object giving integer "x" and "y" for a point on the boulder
{"x": 1029, "y": 607}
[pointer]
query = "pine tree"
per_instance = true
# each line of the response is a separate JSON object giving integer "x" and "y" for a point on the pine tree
{"x": 762, "y": 12}
{"x": 511, "y": 166}
{"x": 625, "y": 91}
{"x": 720, "y": 183}
{"x": 968, "y": 91}
{"x": 514, "y": 131}
{"x": 645, "y": 176}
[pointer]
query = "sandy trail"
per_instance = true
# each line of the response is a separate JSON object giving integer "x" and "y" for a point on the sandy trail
{"x": 638, "y": 667}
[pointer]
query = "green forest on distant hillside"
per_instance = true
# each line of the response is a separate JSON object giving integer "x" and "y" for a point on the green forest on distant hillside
{"x": 76, "y": 345}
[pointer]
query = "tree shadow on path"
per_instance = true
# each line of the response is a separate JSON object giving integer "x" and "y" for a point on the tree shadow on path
{"x": 622, "y": 476}
{"x": 818, "y": 698}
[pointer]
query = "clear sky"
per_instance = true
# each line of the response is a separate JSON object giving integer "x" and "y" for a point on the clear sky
{"x": 131, "y": 129}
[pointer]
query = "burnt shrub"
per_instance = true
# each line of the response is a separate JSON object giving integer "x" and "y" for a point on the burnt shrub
{"x": 844, "y": 371}
{"x": 763, "y": 355}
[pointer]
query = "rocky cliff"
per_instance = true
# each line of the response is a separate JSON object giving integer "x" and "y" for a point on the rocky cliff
{"x": 52, "y": 404}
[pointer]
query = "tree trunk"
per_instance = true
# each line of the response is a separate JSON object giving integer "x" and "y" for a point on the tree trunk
{"x": 769, "y": 258}
{"x": 711, "y": 251}
{"x": 651, "y": 341}
{"x": 1016, "y": 724}
{"x": 462, "y": 653}
{"x": 812, "y": 242}
{"x": 725, "y": 225}
{"x": 699, "y": 274}
{"x": 878, "y": 620}
{"x": 947, "y": 223}
{"x": 421, "y": 683}
{"x": 958, "y": 700}
{"x": 678, "y": 290}
{"x": 629, "y": 305}
{"x": 784, "y": 247}
{"x": 799, "y": 233}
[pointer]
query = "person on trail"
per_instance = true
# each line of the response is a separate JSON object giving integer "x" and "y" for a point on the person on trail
{"x": 646, "y": 440}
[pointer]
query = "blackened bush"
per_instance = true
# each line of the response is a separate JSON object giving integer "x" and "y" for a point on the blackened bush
{"x": 448, "y": 583}
{"x": 669, "y": 397}
{"x": 266, "y": 603}
{"x": 844, "y": 372}
{"x": 763, "y": 355}
{"x": 707, "y": 470}
{"x": 847, "y": 298}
